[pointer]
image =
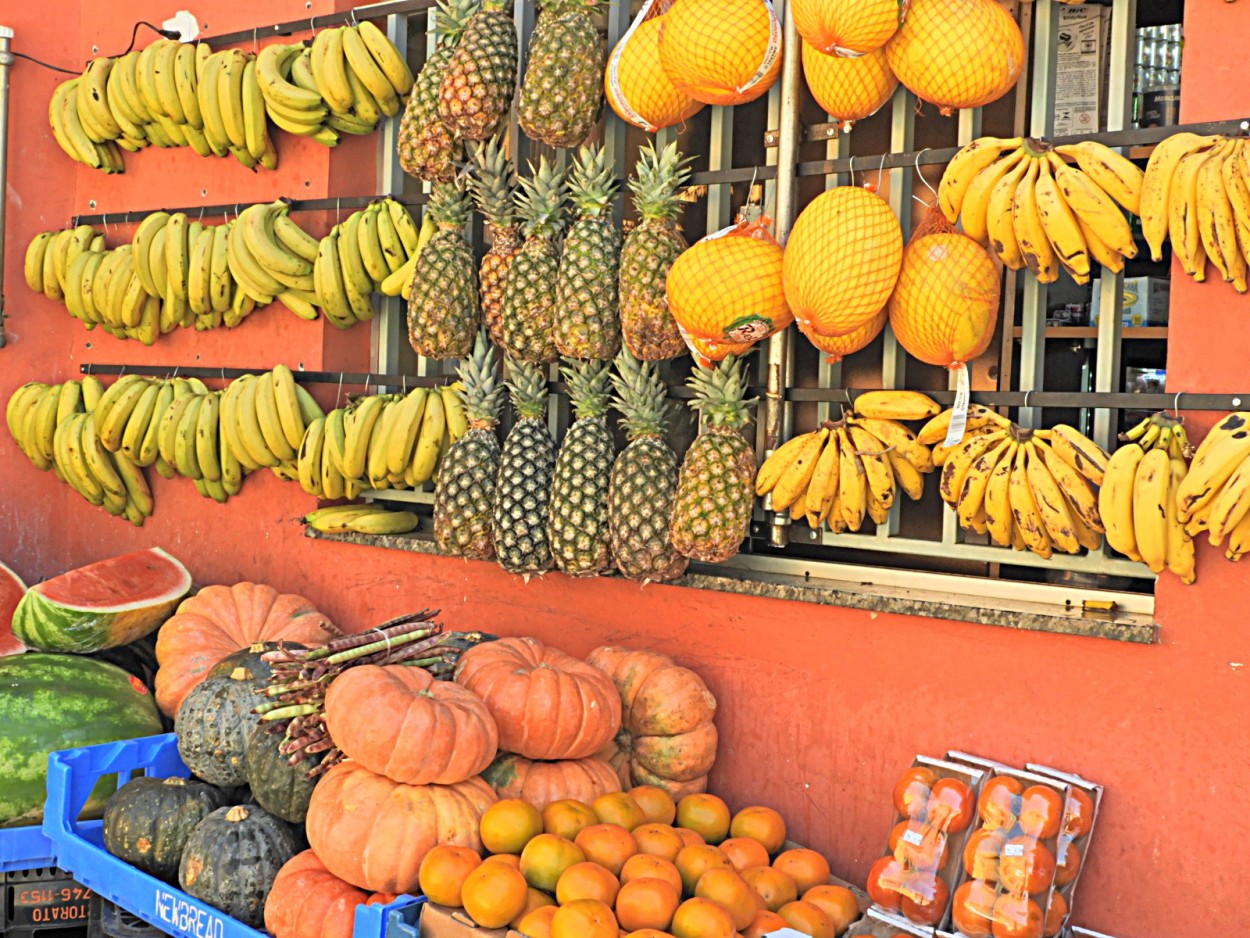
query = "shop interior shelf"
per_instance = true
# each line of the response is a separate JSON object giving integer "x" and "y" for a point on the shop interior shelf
{"x": 1091, "y": 332}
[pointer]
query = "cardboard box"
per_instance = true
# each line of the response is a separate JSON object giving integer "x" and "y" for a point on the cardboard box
{"x": 1145, "y": 302}
{"x": 1082, "y": 51}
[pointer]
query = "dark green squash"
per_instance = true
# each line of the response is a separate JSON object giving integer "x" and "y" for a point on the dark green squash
{"x": 277, "y": 786}
{"x": 148, "y": 821}
{"x": 213, "y": 724}
{"x": 232, "y": 858}
{"x": 250, "y": 658}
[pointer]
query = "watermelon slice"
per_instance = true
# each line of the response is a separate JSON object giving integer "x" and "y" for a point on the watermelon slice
{"x": 12, "y": 589}
{"x": 51, "y": 702}
{"x": 103, "y": 605}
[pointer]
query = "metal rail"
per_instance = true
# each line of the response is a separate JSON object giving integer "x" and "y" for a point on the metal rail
{"x": 233, "y": 208}
{"x": 372, "y": 11}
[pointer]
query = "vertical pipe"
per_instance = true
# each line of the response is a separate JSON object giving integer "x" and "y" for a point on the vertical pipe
{"x": 388, "y": 331}
{"x": 6, "y": 61}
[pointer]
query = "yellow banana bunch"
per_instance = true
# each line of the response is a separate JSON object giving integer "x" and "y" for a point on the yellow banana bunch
{"x": 1214, "y": 496}
{"x": 374, "y": 249}
{"x": 361, "y": 519}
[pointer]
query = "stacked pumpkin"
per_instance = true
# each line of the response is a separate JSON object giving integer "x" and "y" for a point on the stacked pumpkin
{"x": 636, "y": 863}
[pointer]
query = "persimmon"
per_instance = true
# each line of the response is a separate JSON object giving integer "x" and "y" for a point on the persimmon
{"x": 999, "y": 804}
{"x": 508, "y": 825}
{"x": 648, "y": 933}
{"x": 765, "y": 922}
{"x": 645, "y": 866}
{"x": 1041, "y": 812}
{"x": 584, "y": 918}
{"x": 1069, "y": 863}
{"x": 762, "y": 824}
{"x": 646, "y": 903}
{"x": 609, "y": 845}
{"x": 494, "y": 894}
{"x": 656, "y": 804}
{"x": 837, "y": 902}
{"x": 567, "y": 818}
{"x": 537, "y": 922}
{"x": 507, "y": 859}
{"x": 586, "y": 881}
{"x": 693, "y": 862}
{"x": 806, "y": 867}
{"x": 981, "y": 853}
{"x": 659, "y": 840}
{"x": 1026, "y": 866}
{"x": 951, "y": 805}
{"x": 701, "y": 918}
{"x": 706, "y": 815}
{"x": 618, "y": 808}
{"x": 1056, "y": 915}
{"x": 807, "y": 918}
{"x": 688, "y": 837}
{"x": 546, "y": 857}
{"x": 744, "y": 852}
{"x": 443, "y": 871}
{"x": 973, "y": 909}
{"x": 1078, "y": 814}
{"x": 884, "y": 879}
{"x": 1016, "y": 917}
{"x": 911, "y": 792}
{"x": 776, "y": 887}
{"x": 732, "y": 893}
{"x": 917, "y": 843}
{"x": 924, "y": 897}
{"x": 534, "y": 900}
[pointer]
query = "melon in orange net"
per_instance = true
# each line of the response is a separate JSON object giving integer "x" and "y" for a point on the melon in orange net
{"x": 848, "y": 89}
{"x": 726, "y": 291}
{"x": 945, "y": 307}
{"x": 636, "y": 86}
{"x": 721, "y": 52}
{"x": 847, "y": 27}
{"x": 842, "y": 261}
{"x": 957, "y": 53}
{"x": 838, "y": 347}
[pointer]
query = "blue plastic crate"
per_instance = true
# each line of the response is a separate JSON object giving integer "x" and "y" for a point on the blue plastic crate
{"x": 79, "y": 846}
{"x": 25, "y": 848}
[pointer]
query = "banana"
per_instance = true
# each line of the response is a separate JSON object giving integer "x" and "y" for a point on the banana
{"x": 1082, "y": 500}
{"x": 200, "y": 272}
{"x": 356, "y": 447}
{"x": 210, "y": 104}
{"x": 777, "y": 462}
{"x": 286, "y": 269}
{"x": 1116, "y": 175}
{"x": 384, "y": 522}
{"x": 376, "y": 473}
{"x": 250, "y": 434}
{"x": 1099, "y": 250}
{"x": 145, "y": 453}
{"x": 332, "y": 483}
{"x": 230, "y": 97}
{"x": 33, "y": 267}
{"x": 1216, "y": 224}
{"x": 1051, "y": 504}
{"x": 241, "y": 306}
{"x": 974, "y": 159}
{"x": 140, "y": 422}
{"x": 220, "y": 282}
{"x": 1230, "y": 505}
{"x": 852, "y": 483}
{"x": 167, "y": 432}
{"x": 84, "y": 105}
{"x": 59, "y": 252}
{"x": 1024, "y": 512}
{"x": 971, "y": 501}
{"x": 1151, "y": 492}
{"x": 40, "y": 429}
{"x": 93, "y": 97}
{"x": 334, "y": 520}
{"x": 137, "y": 492}
{"x": 1077, "y": 450}
{"x": 1116, "y": 499}
{"x": 255, "y": 134}
{"x": 294, "y": 239}
{"x": 329, "y": 68}
{"x": 1039, "y": 256}
{"x": 979, "y": 417}
{"x": 407, "y": 427}
{"x": 1093, "y": 206}
{"x": 1238, "y": 544}
{"x": 288, "y": 405}
{"x": 366, "y": 69}
{"x": 99, "y": 463}
{"x": 70, "y": 123}
{"x": 207, "y": 433}
{"x": 955, "y": 469}
{"x": 389, "y": 59}
{"x": 328, "y": 278}
{"x": 231, "y": 468}
{"x": 1223, "y": 450}
{"x": 822, "y": 488}
{"x": 165, "y": 73}
{"x": 877, "y": 471}
{"x": 356, "y": 283}
{"x": 407, "y": 229}
{"x": 145, "y": 234}
{"x": 999, "y": 520}
{"x": 270, "y": 420}
{"x": 1061, "y": 226}
{"x": 453, "y": 406}
{"x": 73, "y": 460}
{"x": 309, "y": 459}
{"x": 400, "y": 281}
{"x": 231, "y": 441}
{"x": 1000, "y": 225}
{"x": 187, "y": 84}
{"x": 272, "y": 62}
{"x": 117, "y": 98}
{"x": 896, "y": 405}
{"x": 370, "y": 247}
{"x": 1239, "y": 197}
{"x": 177, "y": 254}
{"x": 1183, "y": 227}
{"x": 185, "y": 459}
{"x": 112, "y": 429}
{"x": 1157, "y": 182}
{"x": 798, "y": 470}
{"x": 426, "y": 451}
{"x": 393, "y": 250}
{"x": 247, "y": 271}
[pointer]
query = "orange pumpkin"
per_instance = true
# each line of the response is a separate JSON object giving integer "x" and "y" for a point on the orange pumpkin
{"x": 586, "y": 881}
{"x": 401, "y": 723}
{"x": 608, "y": 845}
{"x": 509, "y": 824}
{"x": 701, "y": 918}
{"x": 732, "y": 893}
{"x": 374, "y": 832}
{"x": 807, "y": 918}
{"x": 567, "y": 818}
{"x": 494, "y": 895}
{"x": 694, "y": 861}
{"x": 776, "y": 887}
{"x": 656, "y": 803}
{"x": 667, "y": 724}
{"x": 443, "y": 871}
{"x": 647, "y": 903}
{"x": 220, "y": 620}
{"x": 541, "y": 783}
{"x": 308, "y": 901}
{"x": 762, "y": 824}
{"x": 645, "y": 866}
{"x": 546, "y": 857}
{"x": 584, "y": 918}
{"x": 806, "y": 867}
{"x": 537, "y": 922}
{"x": 659, "y": 840}
{"x": 548, "y": 705}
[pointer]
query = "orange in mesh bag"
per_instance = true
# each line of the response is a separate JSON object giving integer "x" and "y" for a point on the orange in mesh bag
{"x": 721, "y": 52}
{"x": 726, "y": 293}
{"x": 848, "y": 89}
{"x": 957, "y": 53}
{"x": 842, "y": 261}
{"x": 838, "y": 347}
{"x": 636, "y": 86}
{"x": 945, "y": 306}
{"x": 847, "y": 27}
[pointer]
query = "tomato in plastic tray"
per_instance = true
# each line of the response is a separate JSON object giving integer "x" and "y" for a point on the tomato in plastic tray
{"x": 39, "y": 899}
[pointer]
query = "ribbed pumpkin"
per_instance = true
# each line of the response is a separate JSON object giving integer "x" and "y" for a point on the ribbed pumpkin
{"x": 541, "y": 783}
{"x": 637, "y": 87}
{"x": 842, "y": 261}
{"x": 220, "y": 620}
{"x": 847, "y": 27}
{"x": 308, "y": 901}
{"x": 848, "y": 89}
{"x": 726, "y": 292}
{"x": 232, "y": 859}
{"x": 838, "y": 347}
{"x": 547, "y": 705}
{"x": 277, "y": 786}
{"x": 213, "y": 726}
{"x": 945, "y": 307}
{"x": 148, "y": 821}
{"x": 957, "y": 53}
{"x": 401, "y": 723}
{"x": 374, "y": 833}
{"x": 721, "y": 52}
{"x": 668, "y": 731}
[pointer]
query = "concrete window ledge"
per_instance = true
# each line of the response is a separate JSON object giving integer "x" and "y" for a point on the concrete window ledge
{"x": 1002, "y": 612}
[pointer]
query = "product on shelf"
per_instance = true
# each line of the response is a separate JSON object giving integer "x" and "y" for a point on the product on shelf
{"x": 528, "y": 312}
{"x": 523, "y": 487}
{"x": 849, "y": 89}
{"x": 443, "y": 310}
{"x": 480, "y": 78}
{"x": 494, "y": 187}
{"x": 148, "y": 821}
{"x": 562, "y": 91}
{"x": 635, "y": 83}
{"x": 552, "y": 783}
{"x": 721, "y": 52}
{"x": 308, "y": 901}
{"x": 428, "y": 148}
{"x": 1079, "y": 817}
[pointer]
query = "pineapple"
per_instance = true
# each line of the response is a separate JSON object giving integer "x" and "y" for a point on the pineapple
{"x": 529, "y": 297}
{"x": 480, "y": 80}
{"x": 464, "y": 499}
{"x": 712, "y": 510}
{"x": 588, "y": 321}
{"x": 523, "y": 486}
{"x": 494, "y": 186}
{"x": 577, "y": 520}
{"x": 652, "y": 246}
{"x": 644, "y": 477}
{"x": 428, "y": 147}
{"x": 563, "y": 87}
{"x": 443, "y": 312}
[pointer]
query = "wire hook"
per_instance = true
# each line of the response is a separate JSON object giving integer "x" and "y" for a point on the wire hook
{"x": 1176, "y": 406}
{"x": 255, "y": 40}
{"x": 368, "y": 379}
{"x": 1026, "y": 397}
{"x": 852, "y": 170}
{"x": 928, "y": 184}
{"x": 338, "y": 395}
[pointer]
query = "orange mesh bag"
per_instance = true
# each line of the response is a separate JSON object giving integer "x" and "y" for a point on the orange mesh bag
{"x": 945, "y": 307}
{"x": 847, "y": 27}
{"x": 636, "y": 86}
{"x": 842, "y": 260}
{"x": 957, "y": 53}
{"x": 848, "y": 89}
{"x": 838, "y": 347}
{"x": 721, "y": 52}
{"x": 726, "y": 293}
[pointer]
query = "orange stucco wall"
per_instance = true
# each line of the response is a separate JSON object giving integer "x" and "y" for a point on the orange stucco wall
{"x": 820, "y": 707}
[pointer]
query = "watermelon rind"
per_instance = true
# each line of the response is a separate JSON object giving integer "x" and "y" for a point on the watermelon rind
{"x": 54, "y": 702}
{"x": 50, "y": 619}
{"x": 12, "y": 589}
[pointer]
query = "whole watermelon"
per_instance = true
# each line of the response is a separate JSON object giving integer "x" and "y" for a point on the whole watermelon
{"x": 51, "y": 702}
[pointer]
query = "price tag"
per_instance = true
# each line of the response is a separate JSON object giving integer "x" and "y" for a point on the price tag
{"x": 1013, "y": 850}
{"x": 771, "y": 53}
{"x": 614, "y": 69}
{"x": 913, "y": 837}
{"x": 959, "y": 415}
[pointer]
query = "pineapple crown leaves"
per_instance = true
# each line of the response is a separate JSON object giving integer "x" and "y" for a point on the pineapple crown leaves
{"x": 527, "y": 386}
{"x": 660, "y": 177}
{"x": 592, "y": 186}
{"x": 493, "y": 183}
{"x": 541, "y": 201}
{"x": 560, "y": 7}
{"x": 588, "y": 386}
{"x": 719, "y": 394}
{"x": 641, "y": 396}
{"x": 483, "y": 390}
{"x": 449, "y": 206}
{"x": 453, "y": 16}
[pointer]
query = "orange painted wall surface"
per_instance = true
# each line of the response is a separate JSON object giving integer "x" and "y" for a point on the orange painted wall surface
{"x": 821, "y": 707}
